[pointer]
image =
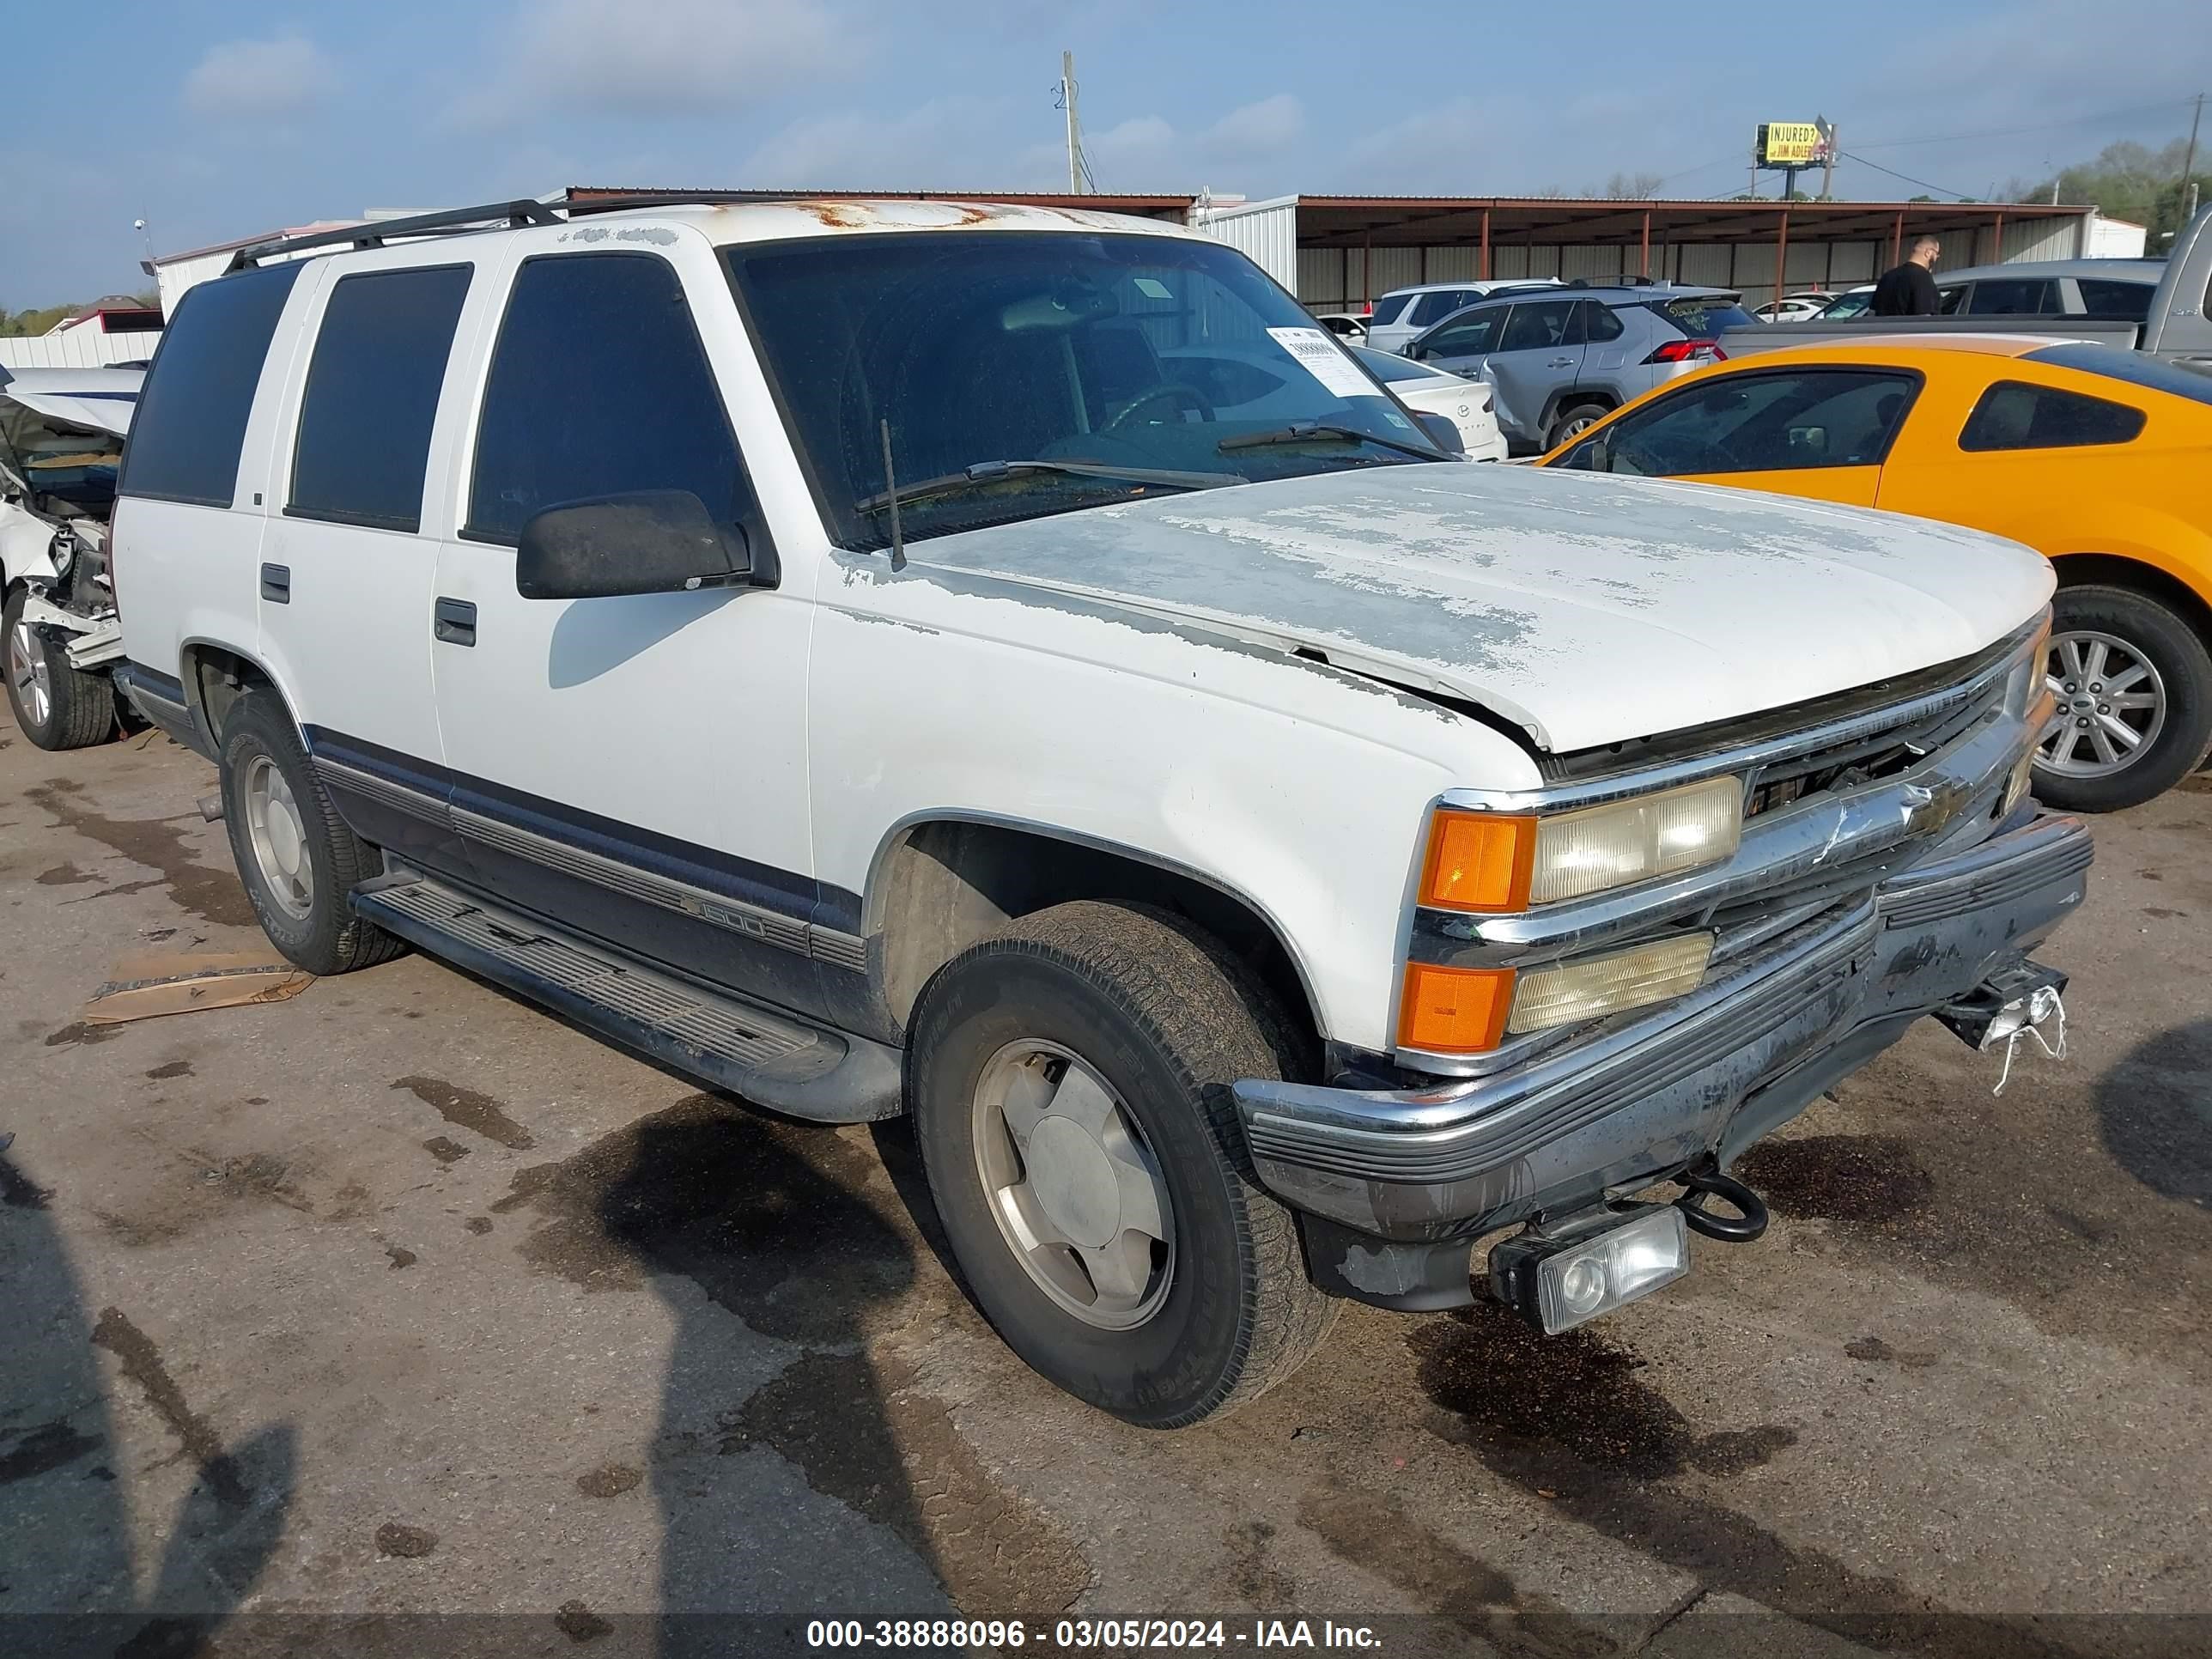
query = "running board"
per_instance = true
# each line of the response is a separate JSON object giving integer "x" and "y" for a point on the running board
{"x": 770, "y": 1058}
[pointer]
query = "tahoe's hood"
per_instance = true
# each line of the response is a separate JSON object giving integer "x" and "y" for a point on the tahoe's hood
{"x": 1589, "y": 610}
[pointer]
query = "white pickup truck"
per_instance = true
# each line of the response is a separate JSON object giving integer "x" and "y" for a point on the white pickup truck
{"x": 850, "y": 652}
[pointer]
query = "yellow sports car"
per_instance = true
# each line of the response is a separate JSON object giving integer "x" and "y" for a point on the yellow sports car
{"x": 2098, "y": 457}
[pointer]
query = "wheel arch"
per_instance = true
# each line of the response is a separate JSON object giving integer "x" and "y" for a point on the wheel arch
{"x": 2138, "y": 576}
{"x": 215, "y": 678}
{"x": 940, "y": 881}
{"x": 1603, "y": 397}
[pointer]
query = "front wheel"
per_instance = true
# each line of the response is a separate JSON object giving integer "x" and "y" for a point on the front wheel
{"x": 1070, "y": 1086}
{"x": 58, "y": 707}
{"x": 2134, "y": 689}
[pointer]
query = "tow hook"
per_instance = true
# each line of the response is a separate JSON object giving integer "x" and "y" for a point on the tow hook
{"x": 1747, "y": 1224}
{"x": 2012, "y": 1003}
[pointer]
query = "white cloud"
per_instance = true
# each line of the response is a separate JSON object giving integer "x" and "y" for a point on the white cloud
{"x": 1260, "y": 129}
{"x": 663, "y": 56}
{"x": 938, "y": 145}
{"x": 258, "y": 77}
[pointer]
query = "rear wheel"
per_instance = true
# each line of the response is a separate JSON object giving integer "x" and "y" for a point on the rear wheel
{"x": 1573, "y": 421}
{"x": 1070, "y": 1084}
{"x": 58, "y": 707}
{"x": 2134, "y": 689}
{"x": 297, "y": 857}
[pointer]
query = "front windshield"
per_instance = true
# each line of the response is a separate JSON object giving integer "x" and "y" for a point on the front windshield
{"x": 1130, "y": 355}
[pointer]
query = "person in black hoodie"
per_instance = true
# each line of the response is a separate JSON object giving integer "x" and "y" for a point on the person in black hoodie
{"x": 1909, "y": 290}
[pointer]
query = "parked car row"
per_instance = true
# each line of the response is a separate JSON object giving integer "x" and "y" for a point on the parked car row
{"x": 2120, "y": 289}
{"x": 1073, "y": 700}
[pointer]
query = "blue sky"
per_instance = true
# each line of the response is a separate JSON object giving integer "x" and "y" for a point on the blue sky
{"x": 217, "y": 120}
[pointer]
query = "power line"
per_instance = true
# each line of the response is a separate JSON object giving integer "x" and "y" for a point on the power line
{"x": 1939, "y": 189}
{"x": 2041, "y": 126}
{"x": 1954, "y": 138}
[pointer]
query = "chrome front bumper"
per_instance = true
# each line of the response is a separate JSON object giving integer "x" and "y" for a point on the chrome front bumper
{"x": 1704, "y": 1076}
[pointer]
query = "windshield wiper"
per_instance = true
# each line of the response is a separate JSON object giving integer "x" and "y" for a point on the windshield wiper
{"x": 989, "y": 472}
{"x": 1300, "y": 432}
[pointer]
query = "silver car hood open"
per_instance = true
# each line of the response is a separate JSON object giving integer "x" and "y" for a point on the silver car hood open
{"x": 1588, "y": 609}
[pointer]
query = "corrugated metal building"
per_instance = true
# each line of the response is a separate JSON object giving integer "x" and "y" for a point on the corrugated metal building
{"x": 1337, "y": 252}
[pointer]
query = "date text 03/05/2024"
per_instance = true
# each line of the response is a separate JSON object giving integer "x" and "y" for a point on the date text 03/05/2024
{"x": 1119, "y": 1634}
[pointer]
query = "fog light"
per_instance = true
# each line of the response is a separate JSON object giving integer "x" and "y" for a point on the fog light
{"x": 1560, "y": 1283}
{"x": 1607, "y": 984}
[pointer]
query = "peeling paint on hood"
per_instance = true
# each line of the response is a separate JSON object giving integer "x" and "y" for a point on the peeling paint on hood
{"x": 1588, "y": 609}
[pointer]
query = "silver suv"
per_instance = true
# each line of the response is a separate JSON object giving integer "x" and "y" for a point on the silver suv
{"x": 1559, "y": 359}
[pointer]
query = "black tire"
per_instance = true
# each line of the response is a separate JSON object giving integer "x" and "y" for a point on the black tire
{"x": 1563, "y": 421}
{"x": 329, "y": 939}
{"x": 2175, "y": 653}
{"x": 1167, "y": 1018}
{"x": 80, "y": 707}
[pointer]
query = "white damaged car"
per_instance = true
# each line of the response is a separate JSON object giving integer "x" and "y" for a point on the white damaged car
{"x": 1013, "y": 666}
{"x": 61, "y": 436}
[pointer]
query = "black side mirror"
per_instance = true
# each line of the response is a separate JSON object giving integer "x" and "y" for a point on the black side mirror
{"x": 1416, "y": 353}
{"x": 649, "y": 541}
{"x": 1441, "y": 431}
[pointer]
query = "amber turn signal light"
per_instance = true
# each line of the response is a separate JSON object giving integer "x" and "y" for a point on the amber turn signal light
{"x": 1478, "y": 861}
{"x": 1454, "y": 1010}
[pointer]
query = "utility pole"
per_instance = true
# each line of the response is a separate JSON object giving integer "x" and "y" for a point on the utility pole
{"x": 1828, "y": 173}
{"x": 1076, "y": 184}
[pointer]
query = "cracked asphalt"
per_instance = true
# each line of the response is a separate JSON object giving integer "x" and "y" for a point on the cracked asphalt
{"x": 400, "y": 1318}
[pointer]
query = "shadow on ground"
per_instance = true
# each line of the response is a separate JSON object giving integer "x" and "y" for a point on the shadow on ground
{"x": 2154, "y": 1110}
{"x": 69, "y": 1583}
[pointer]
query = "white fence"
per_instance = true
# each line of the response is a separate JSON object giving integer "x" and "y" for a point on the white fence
{"x": 76, "y": 348}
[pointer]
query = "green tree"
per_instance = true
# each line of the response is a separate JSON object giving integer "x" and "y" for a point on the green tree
{"x": 2132, "y": 181}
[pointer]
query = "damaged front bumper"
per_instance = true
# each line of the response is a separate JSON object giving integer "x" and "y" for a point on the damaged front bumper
{"x": 1395, "y": 1184}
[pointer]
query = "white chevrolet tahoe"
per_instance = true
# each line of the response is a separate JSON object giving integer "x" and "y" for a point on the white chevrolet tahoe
{"x": 1013, "y": 666}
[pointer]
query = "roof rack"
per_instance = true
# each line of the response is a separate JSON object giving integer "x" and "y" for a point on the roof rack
{"x": 525, "y": 210}
{"x": 374, "y": 233}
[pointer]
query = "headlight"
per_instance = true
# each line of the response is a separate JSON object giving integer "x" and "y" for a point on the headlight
{"x": 1484, "y": 862}
{"x": 2023, "y": 686}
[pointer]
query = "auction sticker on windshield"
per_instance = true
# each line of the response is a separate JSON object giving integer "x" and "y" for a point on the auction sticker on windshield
{"x": 1325, "y": 360}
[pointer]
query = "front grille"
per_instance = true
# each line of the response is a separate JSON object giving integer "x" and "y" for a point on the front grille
{"x": 1866, "y": 757}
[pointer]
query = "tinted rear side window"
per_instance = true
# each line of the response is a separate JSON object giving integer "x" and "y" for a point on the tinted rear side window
{"x": 599, "y": 386}
{"x": 2103, "y": 297}
{"x": 2012, "y": 296}
{"x": 189, "y": 424}
{"x": 371, "y": 395}
{"x": 1387, "y": 308}
{"x": 2013, "y": 415}
{"x": 1435, "y": 307}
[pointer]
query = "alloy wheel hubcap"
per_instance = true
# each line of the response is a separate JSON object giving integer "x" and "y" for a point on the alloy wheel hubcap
{"x": 279, "y": 837}
{"x": 2111, "y": 706}
{"x": 1073, "y": 1185}
{"x": 27, "y": 673}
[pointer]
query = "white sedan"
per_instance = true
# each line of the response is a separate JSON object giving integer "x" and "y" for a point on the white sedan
{"x": 1796, "y": 308}
{"x": 1466, "y": 404}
